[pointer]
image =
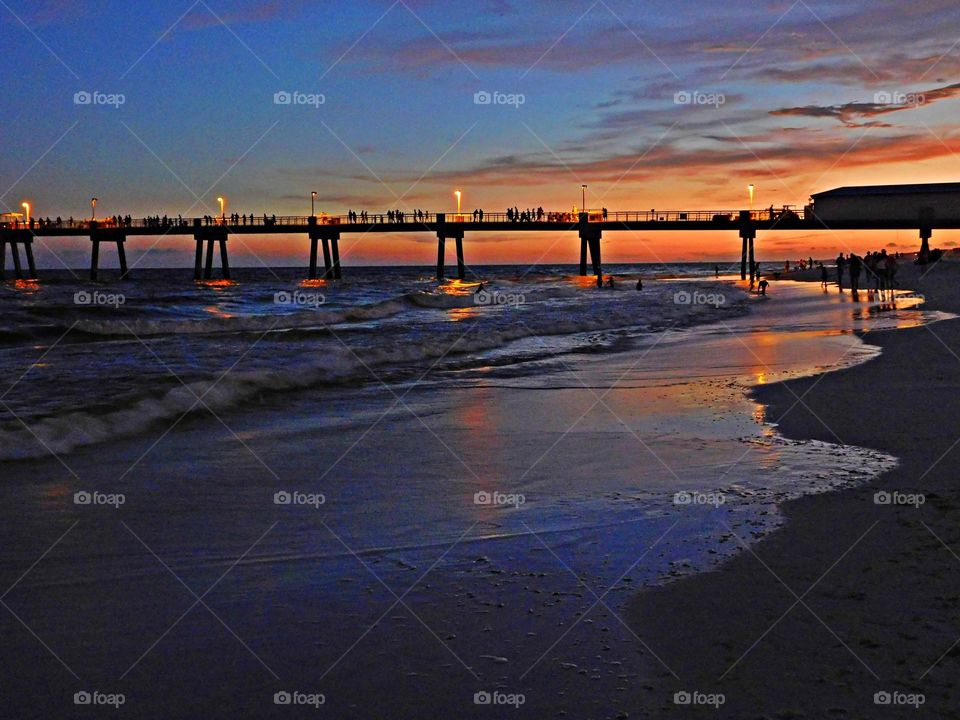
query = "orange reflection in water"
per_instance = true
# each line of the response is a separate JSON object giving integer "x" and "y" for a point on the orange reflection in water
{"x": 26, "y": 286}
{"x": 217, "y": 311}
{"x": 216, "y": 284}
{"x": 465, "y": 313}
{"x": 313, "y": 283}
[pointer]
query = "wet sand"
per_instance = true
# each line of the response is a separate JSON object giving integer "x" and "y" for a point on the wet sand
{"x": 851, "y": 598}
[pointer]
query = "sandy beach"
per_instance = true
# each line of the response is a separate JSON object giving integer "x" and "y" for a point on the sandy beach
{"x": 851, "y": 598}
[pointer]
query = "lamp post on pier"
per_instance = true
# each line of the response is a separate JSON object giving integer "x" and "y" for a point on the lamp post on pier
{"x": 313, "y": 202}
{"x": 93, "y": 208}
{"x": 583, "y": 198}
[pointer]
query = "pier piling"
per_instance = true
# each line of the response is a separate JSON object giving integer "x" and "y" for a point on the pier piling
{"x": 203, "y": 266}
{"x": 312, "y": 274}
{"x": 17, "y": 269}
{"x": 461, "y": 268}
{"x": 335, "y": 249}
{"x": 748, "y": 234}
{"x": 15, "y": 240}
{"x": 327, "y": 262}
{"x": 441, "y": 254}
{"x": 99, "y": 235}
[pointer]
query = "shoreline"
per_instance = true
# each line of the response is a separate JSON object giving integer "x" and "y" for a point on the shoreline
{"x": 847, "y": 598}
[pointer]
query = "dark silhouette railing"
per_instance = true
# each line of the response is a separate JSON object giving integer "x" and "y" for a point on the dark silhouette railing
{"x": 416, "y": 218}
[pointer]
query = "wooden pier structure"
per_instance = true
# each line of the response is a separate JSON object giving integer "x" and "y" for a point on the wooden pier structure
{"x": 325, "y": 231}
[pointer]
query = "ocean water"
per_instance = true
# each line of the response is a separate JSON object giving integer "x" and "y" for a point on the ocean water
{"x": 112, "y": 360}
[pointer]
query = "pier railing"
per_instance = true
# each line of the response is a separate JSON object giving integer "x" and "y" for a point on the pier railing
{"x": 413, "y": 218}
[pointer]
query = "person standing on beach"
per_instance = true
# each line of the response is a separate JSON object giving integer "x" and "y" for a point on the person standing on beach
{"x": 840, "y": 263}
{"x": 823, "y": 276}
{"x": 855, "y": 266}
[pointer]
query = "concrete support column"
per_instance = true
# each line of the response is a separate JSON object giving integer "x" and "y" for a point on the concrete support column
{"x": 335, "y": 248}
{"x": 17, "y": 269}
{"x": 208, "y": 265}
{"x": 122, "y": 256}
{"x": 747, "y": 234}
{"x": 198, "y": 259}
{"x": 312, "y": 275}
{"x": 224, "y": 260}
{"x": 441, "y": 254}
{"x": 595, "y": 255}
{"x": 327, "y": 262}
{"x": 461, "y": 268}
{"x": 94, "y": 258}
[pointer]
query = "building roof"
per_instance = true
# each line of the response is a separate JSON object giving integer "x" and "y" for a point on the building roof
{"x": 921, "y": 188}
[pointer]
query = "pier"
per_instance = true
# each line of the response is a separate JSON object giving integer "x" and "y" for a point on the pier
{"x": 325, "y": 231}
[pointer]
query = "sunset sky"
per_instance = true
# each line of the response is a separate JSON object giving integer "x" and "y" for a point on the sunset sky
{"x": 793, "y": 97}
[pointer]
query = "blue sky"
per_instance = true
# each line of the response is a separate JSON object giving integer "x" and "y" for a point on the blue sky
{"x": 792, "y": 97}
